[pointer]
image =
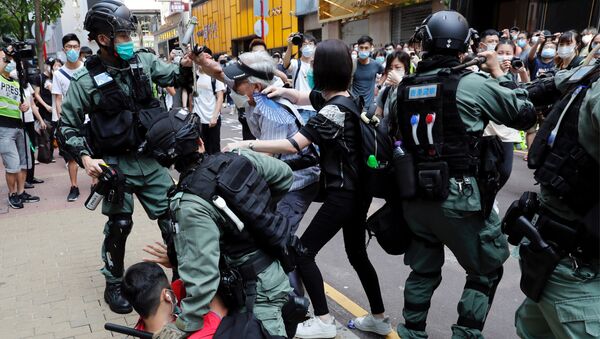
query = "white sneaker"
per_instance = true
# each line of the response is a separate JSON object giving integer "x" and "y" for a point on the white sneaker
{"x": 369, "y": 323}
{"x": 316, "y": 328}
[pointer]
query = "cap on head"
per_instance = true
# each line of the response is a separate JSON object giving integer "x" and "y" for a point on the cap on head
{"x": 444, "y": 32}
{"x": 109, "y": 16}
{"x": 173, "y": 136}
{"x": 239, "y": 71}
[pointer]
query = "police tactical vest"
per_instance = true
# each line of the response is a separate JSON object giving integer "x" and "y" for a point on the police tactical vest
{"x": 234, "y": 178}
{"x": 115, "y": 127}
{"x": 429, "y": 123}
{"x": 561, "y": 163}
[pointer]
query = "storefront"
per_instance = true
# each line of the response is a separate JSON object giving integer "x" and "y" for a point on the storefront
{"x": 167, "y": 36}
{"x": 530, "y": 15}
{"x": 384, "y": 20}
{"x": 228, "y": 26}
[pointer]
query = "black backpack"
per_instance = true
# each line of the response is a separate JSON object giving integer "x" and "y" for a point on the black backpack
{"x": 377, "y": 182}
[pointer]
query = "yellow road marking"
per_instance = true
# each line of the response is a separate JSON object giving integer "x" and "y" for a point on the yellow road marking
{"x": 351, "y": 306}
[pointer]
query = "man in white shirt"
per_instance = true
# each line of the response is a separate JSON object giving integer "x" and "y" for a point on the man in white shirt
{"x": 208, "y": 104}
{"x": 60, "y": 86}
{"x": 301, "y": 70}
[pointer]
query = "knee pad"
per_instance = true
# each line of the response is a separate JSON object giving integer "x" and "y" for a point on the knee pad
{"x": 121, "y": 223}
{"x": 119, "y": 227}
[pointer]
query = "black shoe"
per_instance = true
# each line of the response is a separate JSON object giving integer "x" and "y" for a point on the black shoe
{"x": 28, "y": 185}
{"x": 37, "y": 181}
{"x": 73, "y": 194}
{"x": 14, "y": 201}
{"x": 26, "y": 197}
{"x": 115, "y": 300}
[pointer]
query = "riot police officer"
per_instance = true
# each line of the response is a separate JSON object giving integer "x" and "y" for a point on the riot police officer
{"x": 228, "y": 238}
{"x": 440, "y": 114}
{"x": 114, "y": 89}
{"x": 560, "y": 259}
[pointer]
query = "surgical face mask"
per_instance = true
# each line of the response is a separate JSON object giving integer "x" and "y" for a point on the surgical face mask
{"x": 548, "y": 53}
{"x": 389, "y": 51}
{"x": 310, "y": 78}
{"x": 566, "y": 51}
{"x": 11, "y": 66}
{"x": 125, "y": 50}
{"x": 363, "y": 54}
{"x": 308, "y": 51}
{"x": 491, "y": 46}
{"x": 513, "y": 36}
{"x": 535, "y": 39}
{"x": 521, "y": 43}
{"x": 380, "y": 59}
{"x": 502, "y": 58}
{"x": 586, "y": 39}
{"x": 399, "y": 72}
{"x": 239, "y": 100}
{"x": 72, "y": 55}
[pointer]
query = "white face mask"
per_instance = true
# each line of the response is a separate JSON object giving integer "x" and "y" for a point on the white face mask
{"x": 565, "y": 51}
{"x": 586, "y": 39}
{"x": 491, "y": 46}
{"x": 14, "y": 75}
{"x": 307, "y": 51}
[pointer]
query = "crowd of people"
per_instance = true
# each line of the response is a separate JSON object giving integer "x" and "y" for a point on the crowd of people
{"x": 235, "y": 213}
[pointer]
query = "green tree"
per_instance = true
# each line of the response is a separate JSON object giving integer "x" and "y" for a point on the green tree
{"x": 17, "y": 20}
{"x": 18, "y": 16}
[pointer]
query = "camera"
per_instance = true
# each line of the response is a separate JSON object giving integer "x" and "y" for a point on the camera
{"x": 516, "y": 63}
{"x": 297, "y": 39}
{"x": 22, "y": 50}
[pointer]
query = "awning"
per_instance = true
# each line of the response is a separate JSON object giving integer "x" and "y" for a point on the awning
{"x": 331, "y": 10}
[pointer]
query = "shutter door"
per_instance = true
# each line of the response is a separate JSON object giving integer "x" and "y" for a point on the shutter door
{"x": 405, "y": 19}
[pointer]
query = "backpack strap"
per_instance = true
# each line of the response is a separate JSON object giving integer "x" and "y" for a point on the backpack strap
{"x": 63, "y": 72}
{"x": 299, "y": 64}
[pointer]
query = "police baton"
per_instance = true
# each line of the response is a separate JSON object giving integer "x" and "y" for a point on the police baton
{"x": 478, "y": 60}
{"x": 127, "y": 331}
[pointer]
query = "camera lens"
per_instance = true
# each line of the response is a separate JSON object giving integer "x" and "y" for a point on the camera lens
{"x": 297, "y": 39}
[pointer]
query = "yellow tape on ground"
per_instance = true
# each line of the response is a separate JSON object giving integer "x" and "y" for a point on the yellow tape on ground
{"x": 350, "y": 306}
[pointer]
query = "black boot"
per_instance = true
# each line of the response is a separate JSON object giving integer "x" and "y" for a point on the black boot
{"x": 114, "y": 299}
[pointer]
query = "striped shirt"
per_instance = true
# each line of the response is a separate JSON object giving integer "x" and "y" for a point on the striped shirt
{"x": 266, "y": 129}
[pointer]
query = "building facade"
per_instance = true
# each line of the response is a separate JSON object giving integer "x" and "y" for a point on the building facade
{"x": 228, "y": 26}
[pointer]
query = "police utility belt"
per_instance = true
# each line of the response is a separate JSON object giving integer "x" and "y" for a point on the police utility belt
{"x": 549, "y": 240}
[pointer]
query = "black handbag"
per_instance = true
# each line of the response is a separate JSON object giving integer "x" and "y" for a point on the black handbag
{"x": 390, "y": 228}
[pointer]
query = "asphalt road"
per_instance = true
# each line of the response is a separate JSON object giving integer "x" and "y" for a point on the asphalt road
{"x": 392, "y": 272}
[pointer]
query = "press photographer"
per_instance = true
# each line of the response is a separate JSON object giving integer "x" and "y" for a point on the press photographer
{"x": 13, "y": 139}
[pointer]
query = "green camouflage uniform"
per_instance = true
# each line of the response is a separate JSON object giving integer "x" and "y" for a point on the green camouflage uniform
{"x": 201, "y": 227}
{"x": 570, "y": 302}
{"x": 478, "y": 244}
{"x": 148, "y": 179}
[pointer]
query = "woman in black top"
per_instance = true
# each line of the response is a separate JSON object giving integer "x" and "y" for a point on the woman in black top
{"x": 335, "y": 131}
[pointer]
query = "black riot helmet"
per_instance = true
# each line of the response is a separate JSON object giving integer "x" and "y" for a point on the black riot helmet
{"x": 173, "y": 136}
{"x": 444, "y": 32}
{"x": 109, "y": 16}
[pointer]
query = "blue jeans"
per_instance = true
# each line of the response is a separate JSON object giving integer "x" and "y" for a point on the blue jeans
{"x": 294, "y": 204}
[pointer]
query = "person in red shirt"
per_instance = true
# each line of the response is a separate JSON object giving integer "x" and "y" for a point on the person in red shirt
{"x": 147, "y": 288}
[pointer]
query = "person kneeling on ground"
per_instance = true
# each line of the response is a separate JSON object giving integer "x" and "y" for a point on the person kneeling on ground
{"x": 146, "y": 287}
